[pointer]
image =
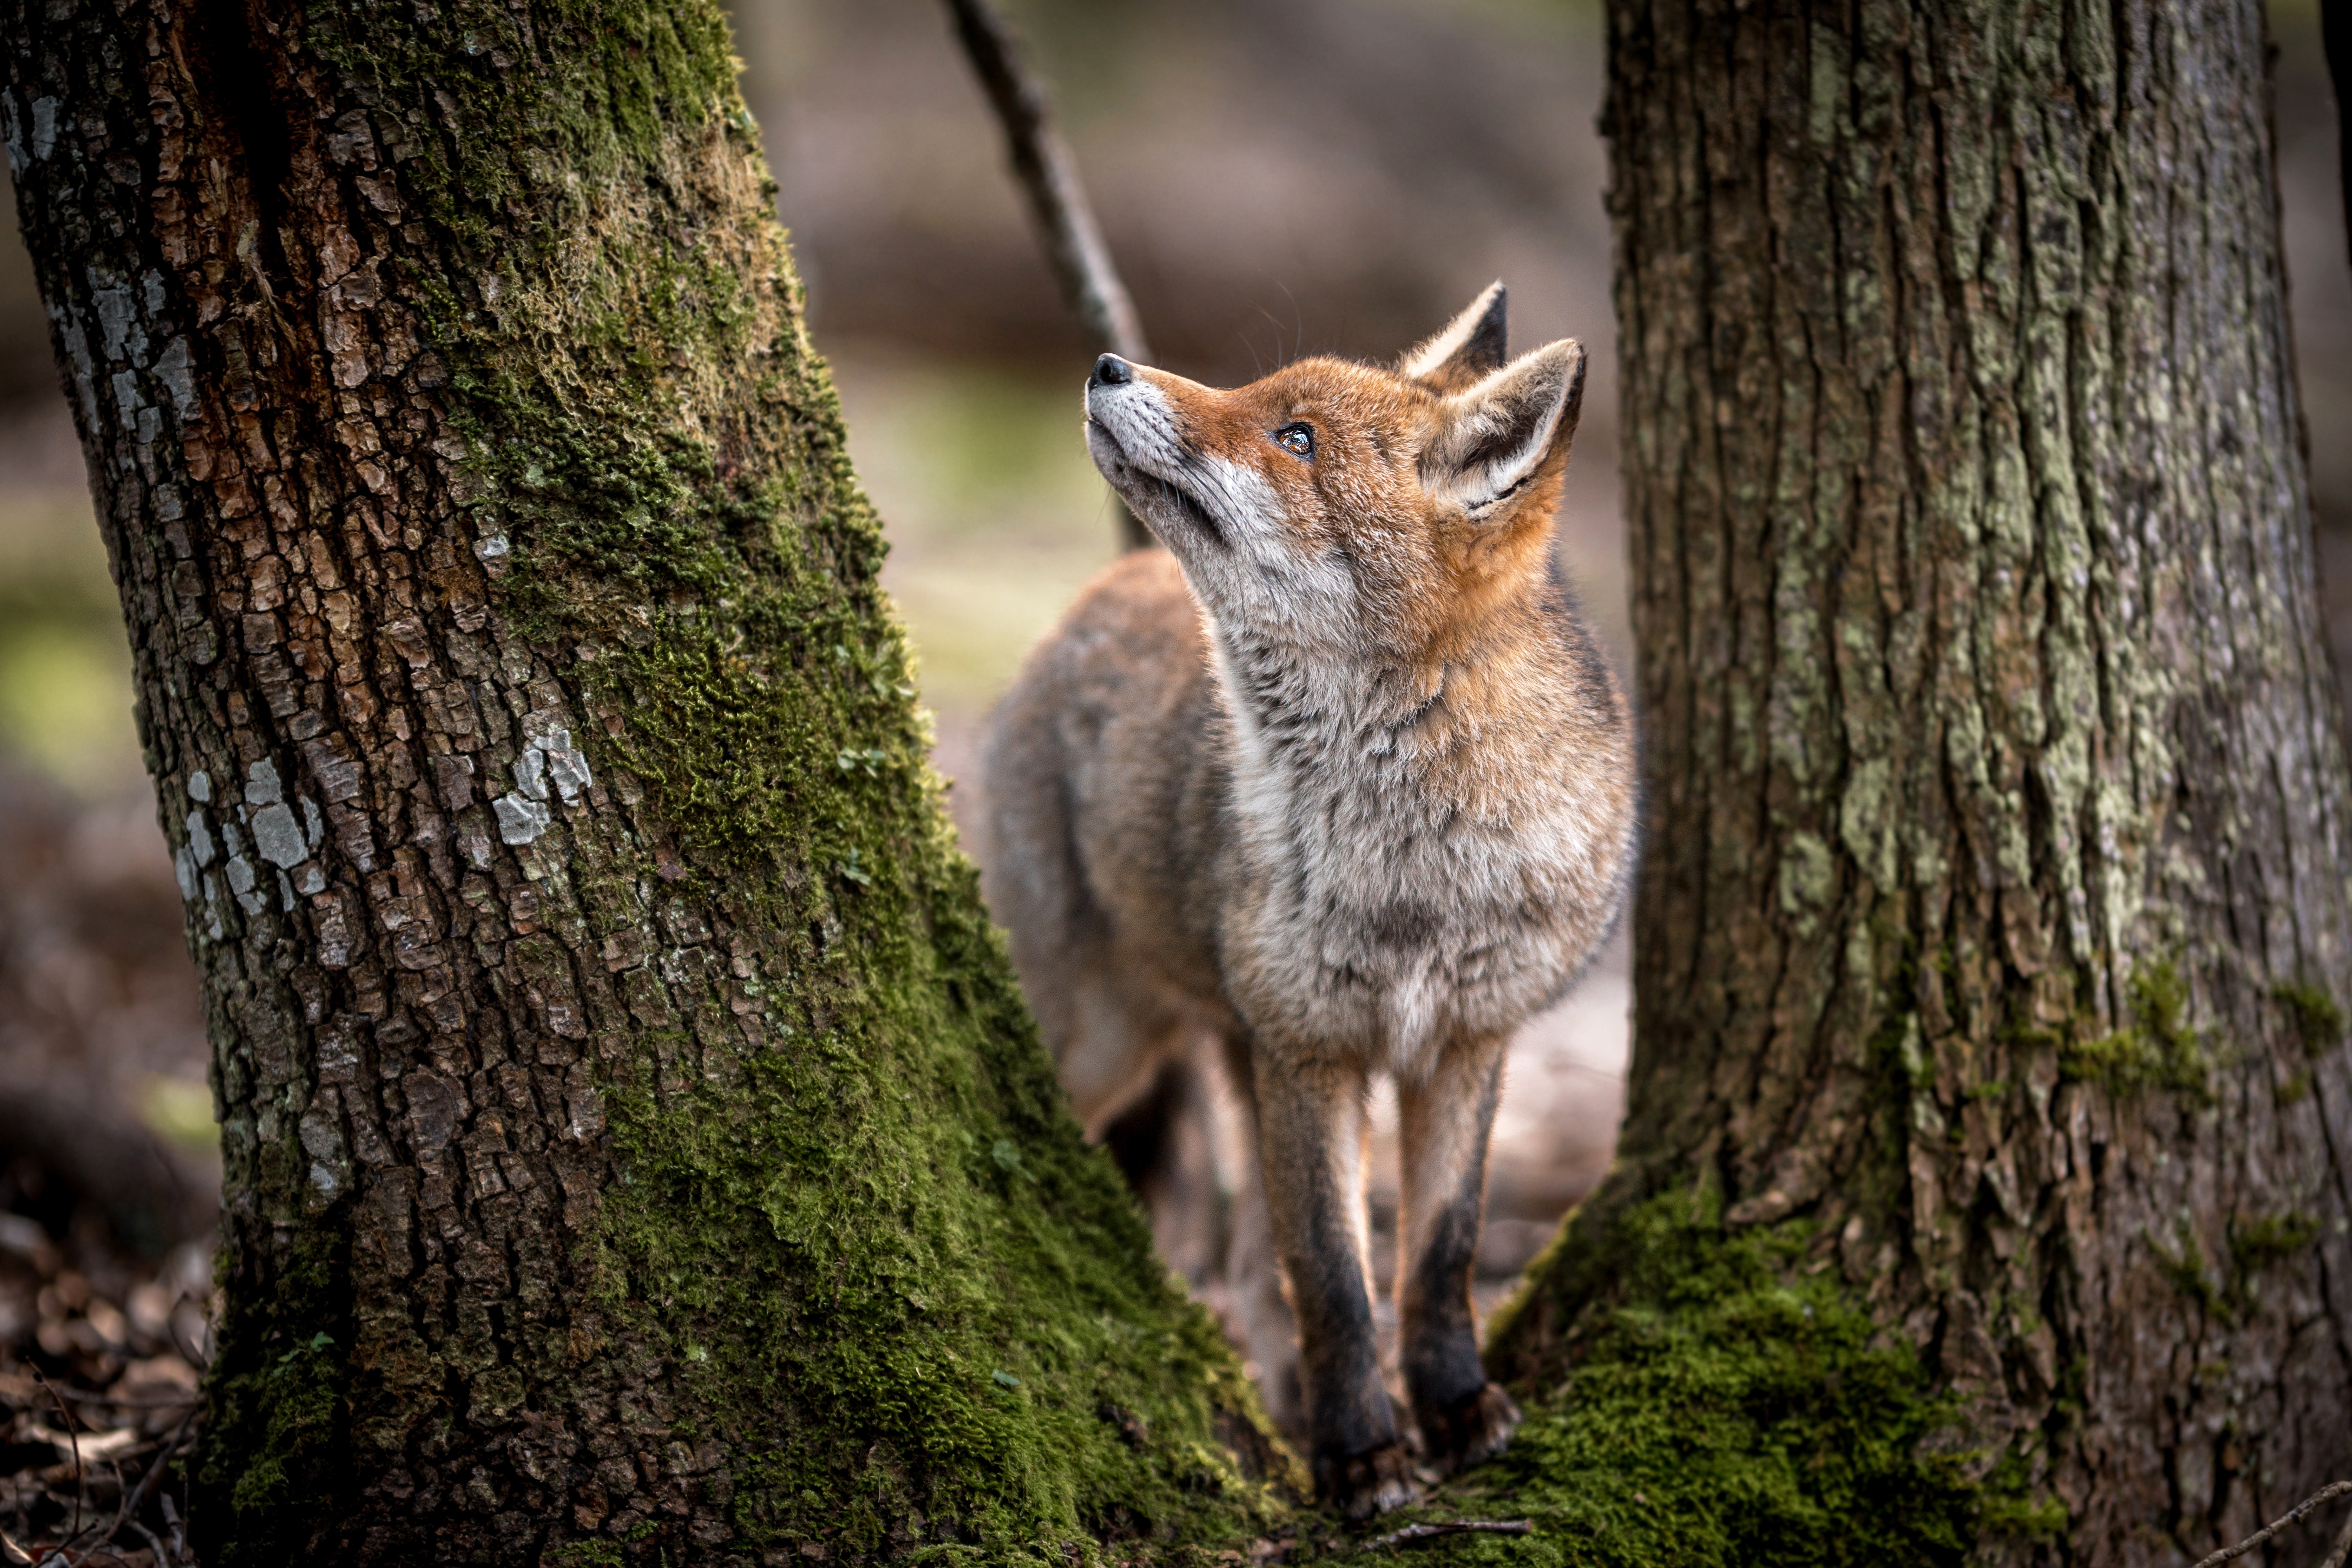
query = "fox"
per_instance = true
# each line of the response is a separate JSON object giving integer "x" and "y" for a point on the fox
{"x": 1341, "y": 780}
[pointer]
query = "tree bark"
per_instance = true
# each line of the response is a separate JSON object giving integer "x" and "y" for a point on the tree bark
{"x": 636, "y": 1149}
{"x": 1992, "y": 934}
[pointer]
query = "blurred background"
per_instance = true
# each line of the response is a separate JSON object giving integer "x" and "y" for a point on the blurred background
{"x": 1334, "y": 176}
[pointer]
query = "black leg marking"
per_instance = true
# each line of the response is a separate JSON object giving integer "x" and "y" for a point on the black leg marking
{"x": 1446, "y": 1125}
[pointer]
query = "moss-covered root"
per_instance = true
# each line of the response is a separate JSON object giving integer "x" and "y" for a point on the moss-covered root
{"x": 1715, "y": 1404}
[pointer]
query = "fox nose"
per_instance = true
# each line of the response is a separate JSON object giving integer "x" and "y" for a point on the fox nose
{"x": 1111, "y": 371}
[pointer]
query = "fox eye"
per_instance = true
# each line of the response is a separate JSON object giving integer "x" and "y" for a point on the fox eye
{"x": 1296, "y": 439}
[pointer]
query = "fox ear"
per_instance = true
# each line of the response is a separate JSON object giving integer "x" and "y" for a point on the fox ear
{"x": 1471, "y": 346}
{"x": 1497, "y": 436}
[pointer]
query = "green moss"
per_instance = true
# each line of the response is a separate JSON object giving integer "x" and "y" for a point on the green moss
{"x": 932, "y": 1293}
{"x": 2295, "y": 1088}
{"x": 276, "y": 1412}
{"x": 2183, "y": 1267}
{"x": 1711, "y": 1402}
{"x": 2262, "y": 1241}
{"x": 2012, "y": 1510}
{"x": 299, "y": 1397}
{"x": 2318, "y": 1021}
{"x": 603, "y": 1553}
{"x": 2157, "y": 1049}
{"x": 2258, "y": 1243}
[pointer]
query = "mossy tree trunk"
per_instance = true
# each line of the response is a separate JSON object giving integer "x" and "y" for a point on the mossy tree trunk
{"x": 636, "y": 1148}
{"x": 1992, "y": 933}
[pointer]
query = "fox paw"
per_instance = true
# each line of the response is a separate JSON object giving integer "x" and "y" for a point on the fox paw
{"x": 1374, "y": 1481}
{"x": 1470, "y": 1430}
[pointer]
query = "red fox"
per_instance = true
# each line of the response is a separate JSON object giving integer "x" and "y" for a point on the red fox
{"x": 1342, "y": 779}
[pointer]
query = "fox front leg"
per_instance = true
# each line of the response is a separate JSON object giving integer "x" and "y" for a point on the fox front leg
{"x": 1443, "y": 1124}
{"x": 1311, "y": 1158}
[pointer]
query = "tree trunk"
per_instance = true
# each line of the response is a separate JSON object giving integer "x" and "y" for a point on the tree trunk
{"x": 1992, "y": 935}
{"x": 635, "y": 1146}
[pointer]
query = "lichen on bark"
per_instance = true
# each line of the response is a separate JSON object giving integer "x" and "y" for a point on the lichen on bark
{"x": 637, "y": 1147}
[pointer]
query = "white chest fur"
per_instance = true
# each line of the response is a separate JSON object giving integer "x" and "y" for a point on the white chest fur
{"x": 1398, "y": 879}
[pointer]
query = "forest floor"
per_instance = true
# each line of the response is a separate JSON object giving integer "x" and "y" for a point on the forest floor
{"x": 98, "y": 1379}
{"x": 107, "y": 1185}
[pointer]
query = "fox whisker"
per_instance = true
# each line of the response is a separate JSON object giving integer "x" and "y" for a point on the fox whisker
{"x": 1186, "y": 502}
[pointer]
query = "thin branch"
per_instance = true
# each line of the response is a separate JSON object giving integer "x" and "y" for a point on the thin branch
{"x": 73, "y": 1437}
{"x": 131, "y": 1503}
{"x": 2333, "y": 1490}
{"x": 195, "y": 1355}
{"x": 1413, "y": 1535}
{"x": 1057, "y": 201}
{"x": 126, "y": 1402}
{"x": 1049, "y": 177}
{"x": 2343, "y": 1548}
{"x": 163, "y": 1559}
{"x": 115, "y": 1465}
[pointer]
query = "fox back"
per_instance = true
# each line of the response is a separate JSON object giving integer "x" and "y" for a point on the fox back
{"x": 1341, "y": 780}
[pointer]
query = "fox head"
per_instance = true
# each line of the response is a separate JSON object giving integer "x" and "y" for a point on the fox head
{"x": 1336, "y": 506}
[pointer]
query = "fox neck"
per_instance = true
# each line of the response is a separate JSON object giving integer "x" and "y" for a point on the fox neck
{"x": 1403, "y": 732}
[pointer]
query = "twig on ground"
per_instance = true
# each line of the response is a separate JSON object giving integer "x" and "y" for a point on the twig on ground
{"x": 132, "y": 1501}
{"x": 1049, "y": 178}
{"x": 1413, "y": 1535}
{"x": 194, "y": 1355}
{"x": 124, "y": 1401}
{"x": 73, "y": 1437}
{"x": 163, "y": 1559}
{"x": 76, "y": 1542}
{"x": 2333, "y": 1490}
